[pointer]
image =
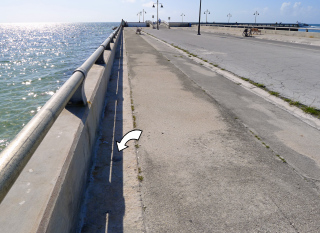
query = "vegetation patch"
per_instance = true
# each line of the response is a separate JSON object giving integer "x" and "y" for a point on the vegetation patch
{"x": 266, "y": 145}
{"x": 140, "y": 178}
{"x": 132, "y": 108}
{"x": 274, "y": 93}
{"x": 312, "y": 111}
{"x": 134, "y": 121}
{"x": 261, "y": 85}
{"x": 282, "y": 159}
{"x": 307, "y": 109}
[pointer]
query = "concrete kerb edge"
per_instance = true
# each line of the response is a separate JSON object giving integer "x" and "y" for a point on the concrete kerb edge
{"x": 295, "y": 111}
{"x": 131, "y": 154}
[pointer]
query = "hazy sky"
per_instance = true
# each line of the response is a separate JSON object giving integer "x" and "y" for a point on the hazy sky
{"x": 19, "y": 11}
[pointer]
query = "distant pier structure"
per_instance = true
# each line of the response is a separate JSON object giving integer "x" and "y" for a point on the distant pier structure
{"x": 270, "y": 26}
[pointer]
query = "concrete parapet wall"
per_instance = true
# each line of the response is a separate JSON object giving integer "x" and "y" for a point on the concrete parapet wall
{"x": 268, "y": 31}
{"x": 136, "y": 24}
{"x": 47, "y": 195}
{"x": 292, "y": 33}
{"x": 177, "y": 24}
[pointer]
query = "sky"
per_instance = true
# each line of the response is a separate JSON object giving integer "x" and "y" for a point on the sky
{"x": 271, "y": 11}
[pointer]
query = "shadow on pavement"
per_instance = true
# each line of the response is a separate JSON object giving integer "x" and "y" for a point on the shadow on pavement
{"x": 104, "y": 204}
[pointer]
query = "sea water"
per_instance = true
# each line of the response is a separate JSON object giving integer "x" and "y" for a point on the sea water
{"x": 35, "y": 60}
{"x": 311, "y": 28}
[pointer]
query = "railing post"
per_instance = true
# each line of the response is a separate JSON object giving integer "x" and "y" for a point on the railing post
{"x": 100, "y": 60}
{"x": 79, "y": 98}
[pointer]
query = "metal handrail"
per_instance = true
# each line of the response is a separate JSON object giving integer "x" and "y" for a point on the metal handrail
{"x": 16, "y": 155}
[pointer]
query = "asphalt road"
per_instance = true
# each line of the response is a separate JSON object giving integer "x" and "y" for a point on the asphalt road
{"x": 290, "y": 69}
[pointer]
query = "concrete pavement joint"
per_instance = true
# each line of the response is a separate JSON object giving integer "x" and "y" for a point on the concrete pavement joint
{"x": 268, "y": 147}
{"x": 304, "y": 176}
{"x": 307, "y": 114}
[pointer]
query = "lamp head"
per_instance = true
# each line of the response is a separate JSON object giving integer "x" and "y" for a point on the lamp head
{"x": 153, "y": 6}
{"x": 161, "y": 6}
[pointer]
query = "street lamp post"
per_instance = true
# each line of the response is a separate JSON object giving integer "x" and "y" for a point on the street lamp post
{"x": 199, "y": 19}
{"x": 182, "y": 16}
{"x": 139, "y": 13}
{"x": 143, "y": 12}
{"x": 229, "y": 16}
{"x": 255, "y": 14}
{"x": 157, "y": 12}
{"x": 207, "y": 12}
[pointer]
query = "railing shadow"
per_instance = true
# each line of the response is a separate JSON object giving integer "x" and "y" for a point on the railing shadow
{"x": 104, "y": 205}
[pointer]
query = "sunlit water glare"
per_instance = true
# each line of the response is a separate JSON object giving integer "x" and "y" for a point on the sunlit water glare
{"x": 35, "y": 60}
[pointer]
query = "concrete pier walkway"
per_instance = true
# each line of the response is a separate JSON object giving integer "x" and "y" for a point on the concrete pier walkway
{"x": 213, "y": 157}
{"x": 204, "y": 168}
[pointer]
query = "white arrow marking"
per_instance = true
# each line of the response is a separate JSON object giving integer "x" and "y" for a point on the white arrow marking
{"x": 132, "y": 135}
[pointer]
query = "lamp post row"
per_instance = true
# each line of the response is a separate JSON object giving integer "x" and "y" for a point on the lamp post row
{"x": 206, "y": 12}
{"x": 157, "y": 12}
{"x": 141, "y": 13}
